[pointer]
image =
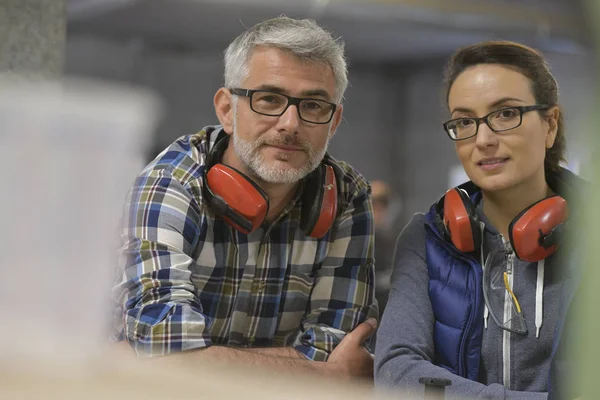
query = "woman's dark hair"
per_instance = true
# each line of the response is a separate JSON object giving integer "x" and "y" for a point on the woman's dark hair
{"x": 528, "y": 62}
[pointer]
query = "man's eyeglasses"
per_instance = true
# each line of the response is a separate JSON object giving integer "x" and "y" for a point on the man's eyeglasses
{"x": 274, "y": 104}
{"x": 498, "y": 121}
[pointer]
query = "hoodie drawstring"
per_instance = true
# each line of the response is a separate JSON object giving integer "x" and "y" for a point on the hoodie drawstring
{"x": 486, "y": 312}
{"x": 539, "y": 298}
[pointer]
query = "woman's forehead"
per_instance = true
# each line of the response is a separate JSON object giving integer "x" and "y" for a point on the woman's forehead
{"x": 486, "y": 84}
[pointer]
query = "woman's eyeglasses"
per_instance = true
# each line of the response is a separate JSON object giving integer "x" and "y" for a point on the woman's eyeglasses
{"x": 498, "y": 121}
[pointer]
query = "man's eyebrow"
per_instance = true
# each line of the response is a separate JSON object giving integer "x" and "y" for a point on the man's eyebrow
{"x": 305, "y": 93}
{"x": 316, "y": 92}
{"x": 270, "y": 88}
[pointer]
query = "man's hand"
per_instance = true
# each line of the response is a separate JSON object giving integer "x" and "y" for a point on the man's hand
{"x": 350, "y": 358}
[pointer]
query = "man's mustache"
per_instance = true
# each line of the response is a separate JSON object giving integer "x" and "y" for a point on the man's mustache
{"x": 285, "y": 141}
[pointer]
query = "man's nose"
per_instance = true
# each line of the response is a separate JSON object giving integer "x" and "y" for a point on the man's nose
{"x": 289, "y": 120}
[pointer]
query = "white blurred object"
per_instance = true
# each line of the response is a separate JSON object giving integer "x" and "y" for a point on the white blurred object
{"x": 68, "y": 154}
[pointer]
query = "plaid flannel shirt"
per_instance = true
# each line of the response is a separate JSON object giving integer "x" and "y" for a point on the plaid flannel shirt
{"x": 189, "y": 280}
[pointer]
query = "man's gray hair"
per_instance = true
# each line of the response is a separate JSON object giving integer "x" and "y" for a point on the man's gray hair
{"x": 303, "y": 39}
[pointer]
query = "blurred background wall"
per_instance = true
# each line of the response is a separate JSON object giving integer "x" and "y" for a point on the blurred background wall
{"x": 397, "y": 50}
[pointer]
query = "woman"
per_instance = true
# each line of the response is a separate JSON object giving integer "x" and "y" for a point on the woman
{"x": 480, "y": 285}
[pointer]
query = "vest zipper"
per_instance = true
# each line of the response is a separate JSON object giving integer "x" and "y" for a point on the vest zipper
{"x": 472, "y": 315}
{"x": 506, "y": 335}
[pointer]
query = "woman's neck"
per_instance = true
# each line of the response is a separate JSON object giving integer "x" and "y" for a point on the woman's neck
{"x": 501, "y": 207}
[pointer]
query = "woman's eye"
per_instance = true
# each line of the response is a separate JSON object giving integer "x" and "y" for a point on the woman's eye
{"x": 464, "y": 123}
{"x": 507, "y": 114}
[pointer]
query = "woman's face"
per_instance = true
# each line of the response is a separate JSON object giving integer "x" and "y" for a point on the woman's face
{"x": 503, "y": 160}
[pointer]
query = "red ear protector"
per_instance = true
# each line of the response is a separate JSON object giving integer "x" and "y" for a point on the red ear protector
{"x": 533, "y": 234}
{"x": 244, "y": 205}
{"x": 461, "y": 220}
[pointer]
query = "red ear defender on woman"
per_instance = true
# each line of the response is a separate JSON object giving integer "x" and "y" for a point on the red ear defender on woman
{"x": 461, "y": 220}
{"x": 533, "y": 233}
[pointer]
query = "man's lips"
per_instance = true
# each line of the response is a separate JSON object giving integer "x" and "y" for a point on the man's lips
{"x": 286, "y": 148}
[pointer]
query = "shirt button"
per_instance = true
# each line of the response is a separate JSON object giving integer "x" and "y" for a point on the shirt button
{"x": 261, "y": 286}
{"x": 251, "y": 339}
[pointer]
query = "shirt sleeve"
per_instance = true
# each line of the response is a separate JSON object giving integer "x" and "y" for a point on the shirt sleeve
{"x": 160, "y": 307}
{"x": 343, "y": 293}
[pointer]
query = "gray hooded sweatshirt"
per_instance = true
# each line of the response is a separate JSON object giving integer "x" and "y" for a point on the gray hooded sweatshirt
{"x": 513, "y": 366}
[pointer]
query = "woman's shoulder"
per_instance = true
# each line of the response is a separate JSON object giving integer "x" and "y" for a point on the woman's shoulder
{"x": 415, "y": 226}
{"x": 412, "y": 237}
{"x": 410, "y": 253}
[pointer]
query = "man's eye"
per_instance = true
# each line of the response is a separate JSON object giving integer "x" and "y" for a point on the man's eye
{"x": 269, "y": 99}
{"x": 312, "y": 105}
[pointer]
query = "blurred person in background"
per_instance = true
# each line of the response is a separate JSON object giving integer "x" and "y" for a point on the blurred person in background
{"x": 384, "y": 240}
{"x": 482, "y": 283}
{"x": 247, "y": 242}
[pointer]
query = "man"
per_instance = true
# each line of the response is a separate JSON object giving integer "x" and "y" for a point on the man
{"x": 238, "y": 245}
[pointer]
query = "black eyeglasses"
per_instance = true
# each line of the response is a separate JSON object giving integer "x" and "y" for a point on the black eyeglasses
{"x": 274, "y": 104}
{"x": 501, "y": 120}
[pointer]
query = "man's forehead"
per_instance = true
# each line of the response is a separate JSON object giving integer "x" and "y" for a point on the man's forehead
{"x": 279, "y": 69}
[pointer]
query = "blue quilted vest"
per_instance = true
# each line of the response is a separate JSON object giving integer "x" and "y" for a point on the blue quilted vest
{"x": 455, "y": 290}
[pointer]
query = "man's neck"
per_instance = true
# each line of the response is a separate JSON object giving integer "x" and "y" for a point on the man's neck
{"x": 280, "y": 195}
{"x": 502, "y": 207}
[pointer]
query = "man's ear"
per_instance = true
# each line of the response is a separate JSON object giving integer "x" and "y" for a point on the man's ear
{"x": 552, "y": 116}
{"x": 337, "y": 120}
{"x": 223, "y": 102}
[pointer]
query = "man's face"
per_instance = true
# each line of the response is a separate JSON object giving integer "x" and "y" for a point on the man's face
{"x": 286, "y": 148}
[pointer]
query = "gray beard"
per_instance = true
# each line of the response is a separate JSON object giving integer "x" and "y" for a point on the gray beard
{"x": 276, "y": 172}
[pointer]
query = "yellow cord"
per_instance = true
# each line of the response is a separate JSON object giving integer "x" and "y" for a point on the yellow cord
{"x": 511, "y": 292}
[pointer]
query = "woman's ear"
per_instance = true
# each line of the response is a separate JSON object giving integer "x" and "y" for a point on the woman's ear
{"x": 552, "y": 117}
{"x": 223, "y": 102}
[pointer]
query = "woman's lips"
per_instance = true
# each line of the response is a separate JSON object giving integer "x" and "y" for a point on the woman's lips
{"x": 490, "y": 164}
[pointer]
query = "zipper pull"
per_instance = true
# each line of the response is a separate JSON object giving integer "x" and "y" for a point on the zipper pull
{"x": 508, "y": 255}
{"x": 507, "y": 247}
